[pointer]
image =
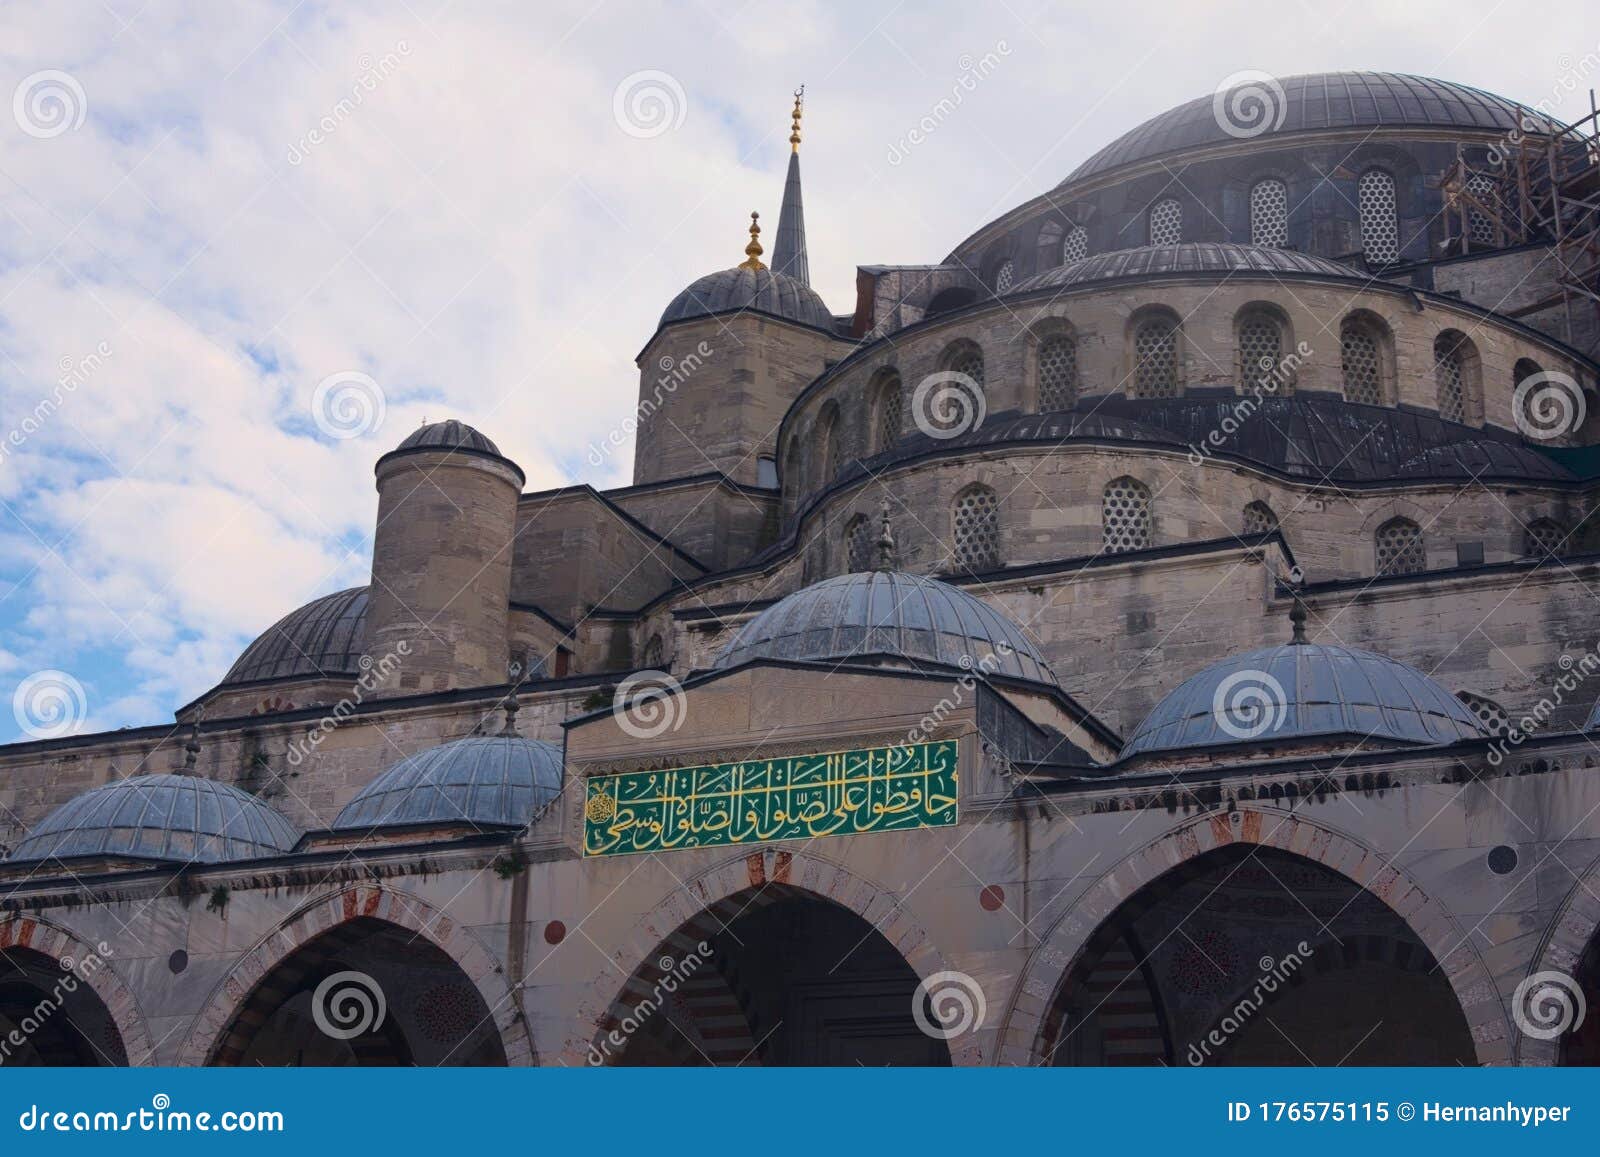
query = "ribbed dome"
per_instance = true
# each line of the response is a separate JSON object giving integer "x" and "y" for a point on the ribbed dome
{"x": 322, "y": 638}
{"x": 1185, "y": 257}
{"x": 496, "y": 780}
{"x": 888, "y": 613}
{"x": 1319, "y": 101}
{"x": 760, "y": 290}
{"x": 179, "y": 818}
{"x": 1297, "y": 691}
{"x": 448, "y": 435}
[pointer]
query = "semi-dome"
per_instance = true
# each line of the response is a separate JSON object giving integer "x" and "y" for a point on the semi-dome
{"x": 1324, "y": 101}
{"x": 181, "y": 818}
{"x": 888, "y": 613}
{"x": 322, "y": 638}
{"x": 494, "y": 780}
{"x": 756, "y": 290}
{"x": 1184, "y": 258}
{"x": 448, "y": 435}
{"x": 1299, "y": 691}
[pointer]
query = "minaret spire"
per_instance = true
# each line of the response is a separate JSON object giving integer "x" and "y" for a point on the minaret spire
{"x": 789, "y": 245}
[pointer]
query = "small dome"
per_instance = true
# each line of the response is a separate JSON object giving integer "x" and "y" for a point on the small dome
{"x": 1297, "y": 691}
{"x": 888, "y": 613}
{"x": 1184, "y": 257}
{"x": 758, "y": 290}
{"x": 322, "y": 638}
{"x": 448, "y": 435}
{"x": 499, "y": 780}
{"x": 180, "y": 818}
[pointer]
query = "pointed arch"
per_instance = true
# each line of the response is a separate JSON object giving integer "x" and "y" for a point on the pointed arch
{"x": 55, "y": 942}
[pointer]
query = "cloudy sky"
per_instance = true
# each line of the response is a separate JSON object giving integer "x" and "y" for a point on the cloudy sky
{"x": 208, "y": 210}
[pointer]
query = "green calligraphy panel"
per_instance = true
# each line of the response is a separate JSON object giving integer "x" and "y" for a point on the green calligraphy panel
{"x": 799, "y": 797}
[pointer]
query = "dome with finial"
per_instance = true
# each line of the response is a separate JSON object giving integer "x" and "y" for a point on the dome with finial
{"x": 487, "y": 781}
{"x": 448, "y": 435}
{"x": 751, "y": 287}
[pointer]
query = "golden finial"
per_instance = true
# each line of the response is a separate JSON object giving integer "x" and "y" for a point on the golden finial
{"x": 794, "y": 132}
{"x": 753, "y": 251}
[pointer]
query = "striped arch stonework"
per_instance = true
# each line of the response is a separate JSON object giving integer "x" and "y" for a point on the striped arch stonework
{"x": 1022, "y": 1031}
{"x": 54, "y": 941}
{"x": 1564, "y": 944}
{"x": 208, "y": 1035}
{"x": 704, "y": 906}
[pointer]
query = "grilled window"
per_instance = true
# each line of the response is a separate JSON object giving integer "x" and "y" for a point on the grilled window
{"x": 1269, "y": 213}
{"x": 1358, "y": 356}
{"x": 1058, "y": 373}
{"x": 889, "y": 412}
{"x": 1259, "y": 518}
{"x": 1490, "y": 714}
{"x": 1375, "y": 204}
{"x": 1448, "y": 377}
{"x": 1260, "y": 349}
{"x": 969, "y": 361}
{"x": 1075, "y": 247}
{"x": 1005, "y": 277}
{"x": 1155, "y": 353}
{"x": 977, "y": 529}
{"x": 1481, "y": 226}
{"x": 1545, "y": 537}
{"x": 1166, "y": 222}
{"x": 1125, "y": 516}
{"x": 1399, "y": 548}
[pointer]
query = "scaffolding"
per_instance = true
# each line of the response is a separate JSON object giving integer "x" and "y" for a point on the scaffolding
{"x": 1545, "y": 188}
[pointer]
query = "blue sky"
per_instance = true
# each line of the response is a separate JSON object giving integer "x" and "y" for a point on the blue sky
{"x": 473, "y": 233}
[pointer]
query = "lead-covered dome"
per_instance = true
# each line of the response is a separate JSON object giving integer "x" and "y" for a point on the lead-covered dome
{"x": 1186, "y": 257}
{"x": 448, "y": 435}
{"x": 888, "y": 613}
{"x": 755, "y": 290}
{"x": 498, "y": 780}
{"x": 1323, "y": 101}
{"x": 167, "y": 818}
{"x": 320, "y": 639}
{"x": 1299, "y": 691}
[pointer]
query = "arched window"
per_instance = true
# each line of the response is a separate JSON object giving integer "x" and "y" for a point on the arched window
{"x": 1455, "y": 367}
{"x": 1269, "y": 213}
{"x": 1380, "y": 227}
{"x": 965, "y": 358}
{"x": 1075, "y": 247}
{"x": 767, "y": 472}
{"x": 1155, "y": 358}
{"x": 1490, "y": 714}
{"x": 1005, "y": 276}
{"x": 1261, "y": 343}
{"x": 1399, "y": 548}
{"x": 1166, "y": 222}
{"x": 889, "y": 409}
{"x": 1545, "y": 538}
{"x": 1259, "y": 518}
{"x": 1523, "y": 370}
{"x": 1125, "y": 515}
{"x": 653, "y": 651}
{"x": 1058, "y": 373}
{"x": 976, "y": 529}
{"x": 1361, "y": 354}
{"x": 791, "y": 480}
{"x": 1480, "y": 226}
{"x": 858, "y": 544}
{"x": 828, "y": 448}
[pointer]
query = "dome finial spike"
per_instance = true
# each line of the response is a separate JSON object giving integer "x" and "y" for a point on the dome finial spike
{"x": 1297, "y": 617}
{"x": 191, "y": 746}
{"x": 885, "y": 540}
{"x": 794, "y": 130}
{"x": 753, "y": 251}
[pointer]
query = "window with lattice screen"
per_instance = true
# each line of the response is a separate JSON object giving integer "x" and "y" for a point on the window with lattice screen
{"x": 653, "y": 653}
{"x": 1481, "y": 226}
{"x": 1058, "y": 373}
{"x": 1269, "y": 213}
{"x": 1166, "y": 222}
{"x": 1544, "y": 537}
{"x": 889, "y": 412}
{"x": 1260, "y": 349}
{"x": 859, "y": 544}
{"x": 1359, "y": 358}
{"x": 976, "y": 526}
{"x": 1259, "y": 518}
{"x": 1125, "y": 516}
{"x": 1075, "y": 246}
{"x": 1490, "y": 714}
{"x": 1399, "y": 547}
{"x": 968, "y": 360}
{"x": 1450, "y": 378}
{"x": 1005, "y": 277}
{"x": 1155, "y": 359}
{"x": 1380, "y": 227}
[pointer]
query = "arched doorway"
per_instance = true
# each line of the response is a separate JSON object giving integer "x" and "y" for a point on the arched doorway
{"x": 1250, "y": 955}
{"x": 367, "y": 992}
{"x": 49, "y": 1014}
{"x": 772, "y": 975}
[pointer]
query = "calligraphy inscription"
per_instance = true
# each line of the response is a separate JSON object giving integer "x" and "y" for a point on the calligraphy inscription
{"x": 880, "y": 789}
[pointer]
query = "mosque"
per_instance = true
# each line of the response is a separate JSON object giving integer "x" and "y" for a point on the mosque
{"x": 1161, "y": 631}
